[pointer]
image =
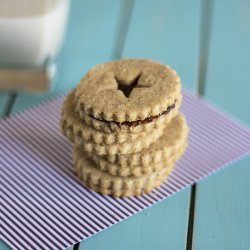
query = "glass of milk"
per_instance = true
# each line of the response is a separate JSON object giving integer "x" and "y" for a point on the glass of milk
{"x": 31, "y": 31}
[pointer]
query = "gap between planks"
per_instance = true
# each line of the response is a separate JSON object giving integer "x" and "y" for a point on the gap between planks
{"x": 205, "y": 33}
{"x": 126, "y": 11}
{"x": 76, "y": 246}
{"x": 9, "y": 104}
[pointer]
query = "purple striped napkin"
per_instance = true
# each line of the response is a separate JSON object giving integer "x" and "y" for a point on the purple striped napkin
{"x": 45, "y": 206}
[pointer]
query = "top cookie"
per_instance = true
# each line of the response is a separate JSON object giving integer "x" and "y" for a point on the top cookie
{"x": 127, "y": 91}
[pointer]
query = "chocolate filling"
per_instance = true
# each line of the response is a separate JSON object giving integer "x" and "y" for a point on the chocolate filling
{"x": 138, "y": 122}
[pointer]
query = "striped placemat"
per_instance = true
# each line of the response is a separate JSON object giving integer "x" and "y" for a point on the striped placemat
{"x": 44, "y": 205}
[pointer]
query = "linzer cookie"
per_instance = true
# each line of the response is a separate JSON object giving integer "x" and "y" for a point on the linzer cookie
{"x": 124, "y": 121}
{"x": 98, "y": 142}
{"x": 101, "y": 182}
{"x": 174, "y": 137}
{"x": 117, "y": 170}
{"x": 139, "y": 126}
{"x": 129, "y": 147}
{"x": 131, "y": 94}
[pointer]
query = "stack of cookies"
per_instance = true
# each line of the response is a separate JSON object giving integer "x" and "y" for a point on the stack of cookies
{"x": 123, "y": 118}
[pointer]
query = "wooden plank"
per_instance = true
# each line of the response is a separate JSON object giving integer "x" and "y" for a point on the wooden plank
{"x": 167, "y": 31}
{"x": 161, "y": 226}
{"x": 228, "y": 72}
{"x": 222, "y": 209}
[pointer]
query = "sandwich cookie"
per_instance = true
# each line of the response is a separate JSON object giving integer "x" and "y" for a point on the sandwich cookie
{"x": 75, "y": 129}
{"x": 117, "y": 186}
{"x": 173, "y": 138}
{"x": 132, "y": 95}
{"x": 117, "y": 170}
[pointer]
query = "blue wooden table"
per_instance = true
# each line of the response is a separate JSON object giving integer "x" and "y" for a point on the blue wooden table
{"x": 208, "y": 42}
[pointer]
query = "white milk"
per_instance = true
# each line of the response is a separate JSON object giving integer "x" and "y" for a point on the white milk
{"x": 31, "y": 31}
